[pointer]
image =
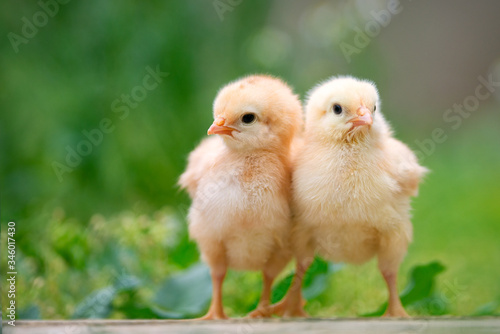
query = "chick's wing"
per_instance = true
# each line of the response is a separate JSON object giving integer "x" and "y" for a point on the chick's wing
{"x": 403, "y": 166}
{"x": 200, "y": 160}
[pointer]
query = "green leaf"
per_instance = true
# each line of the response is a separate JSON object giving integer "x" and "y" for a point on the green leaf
{"x": 315, "y": 280}
{"x": 132, "y": 305}
{"x": 99, "y": 304}
{"x": 126, "y": 283}
{"x": 419, "y": 292}
{"x": 185, "y": 253}
{"x": 280, "y": 288}
{"x": 317, "y": 285}
{"x": 186, "y": 294}
{"x": 491, "y": 308}
{"x": 32, "y": 312}
{"x": 421, "y": 283}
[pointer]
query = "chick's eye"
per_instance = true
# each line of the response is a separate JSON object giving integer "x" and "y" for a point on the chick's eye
{"x": 248, "y": 118}
{"x": 337, "y": 109}
{"x": 374, "y": 108}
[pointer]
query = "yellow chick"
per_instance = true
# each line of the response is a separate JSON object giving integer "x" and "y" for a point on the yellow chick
{"x": 352, "y": 183}
{"x": 239, "y": 183}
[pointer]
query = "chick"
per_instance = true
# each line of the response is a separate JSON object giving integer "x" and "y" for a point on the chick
{"x": 352, "y": 183}
{"x": 239, "y": 183}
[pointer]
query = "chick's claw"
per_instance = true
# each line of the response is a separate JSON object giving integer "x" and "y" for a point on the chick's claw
{"x": 287, "y": 309}
{"x": 396, "y": 312}
{"x": 261, "y": 312}
{"x": 213, "y": 315}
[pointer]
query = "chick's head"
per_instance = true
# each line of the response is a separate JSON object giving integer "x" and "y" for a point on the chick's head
{"x": 256, "y": 112}
{"x": 343, "y": 109}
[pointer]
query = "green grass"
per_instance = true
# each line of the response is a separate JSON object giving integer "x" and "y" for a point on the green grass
{"x": 456, "y": 222}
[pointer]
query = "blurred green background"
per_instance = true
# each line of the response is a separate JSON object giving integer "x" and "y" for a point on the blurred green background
{"x": 108, "y": 238}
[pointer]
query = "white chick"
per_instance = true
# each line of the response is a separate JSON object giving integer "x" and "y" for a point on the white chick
{"x": 352, "y": 183}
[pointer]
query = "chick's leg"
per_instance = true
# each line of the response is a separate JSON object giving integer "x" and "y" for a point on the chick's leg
{"x": 263, "y": 310}
{"x": 273, "y": 267}
{"x": 391, "y": 253}
{"x": 292, "y": 304}
{"x": 218, "y": 268}
{"x": 216, "y": 310}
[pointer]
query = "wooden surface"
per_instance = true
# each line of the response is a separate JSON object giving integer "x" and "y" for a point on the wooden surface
{"x": 244, "y": 326}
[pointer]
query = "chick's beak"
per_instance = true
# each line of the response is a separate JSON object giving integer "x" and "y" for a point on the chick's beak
{"x": 218, "y": 128}
{"x": 364, "y": 117}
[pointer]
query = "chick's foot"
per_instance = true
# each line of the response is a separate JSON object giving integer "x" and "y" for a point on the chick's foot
{"x": 395, "y": 312}
{"x": 213, "y": 315}
{"x": 288, "y": 309}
